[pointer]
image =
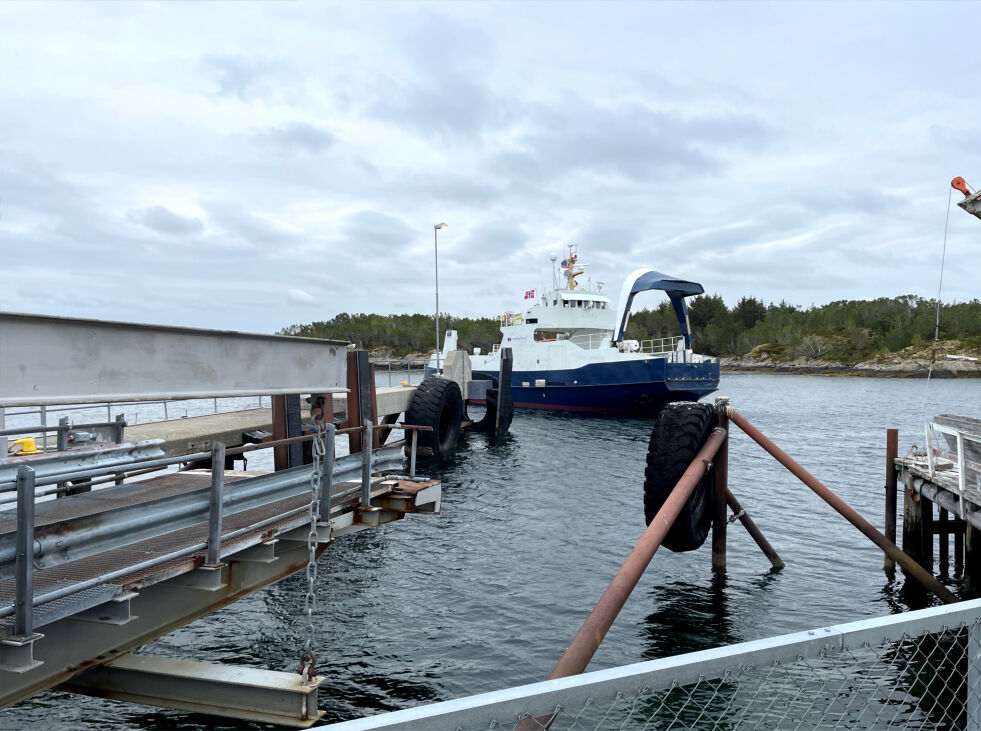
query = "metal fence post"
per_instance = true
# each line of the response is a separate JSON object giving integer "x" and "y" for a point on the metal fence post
{"x": 217, "y": 504}
{"x": 412, "y": 457}
{"x": 974, "y": 675}
{"x": 3, "y": 425}
{"x": 44, "y": 423}
{"x": 366, "y": 465}
{"x": 24, "y": 598}
{"x": 327, "y": 465}
{"x": 62, "y": 433}
{"x": 120, "y": 427}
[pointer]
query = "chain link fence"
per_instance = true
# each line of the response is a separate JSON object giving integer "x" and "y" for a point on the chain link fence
{"x": 920, "y": 670}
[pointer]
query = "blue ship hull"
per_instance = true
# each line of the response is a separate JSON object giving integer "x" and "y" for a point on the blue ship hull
{"x": 636, "y": 388}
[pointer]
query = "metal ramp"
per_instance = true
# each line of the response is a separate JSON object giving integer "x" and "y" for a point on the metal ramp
{"x": 87, "y": 578}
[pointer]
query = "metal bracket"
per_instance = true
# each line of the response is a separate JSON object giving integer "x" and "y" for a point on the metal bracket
{"x": 17, "y": 654}
{"x": 115, "y": 611}
{"x": 301, "y": 533}
{"x": 205, "y": 578}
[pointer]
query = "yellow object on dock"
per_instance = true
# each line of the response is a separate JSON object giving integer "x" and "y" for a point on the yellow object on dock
{"x": 27, "y": 445}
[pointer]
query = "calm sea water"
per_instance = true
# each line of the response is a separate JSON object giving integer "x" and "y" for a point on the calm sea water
{"x": 488, "y": 594}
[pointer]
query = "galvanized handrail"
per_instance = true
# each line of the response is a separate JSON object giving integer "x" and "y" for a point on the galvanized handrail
{"x": 78, "y": 538}
{"x": 87, "y": 536}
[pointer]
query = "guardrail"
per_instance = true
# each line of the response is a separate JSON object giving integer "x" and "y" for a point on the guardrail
{"x": 920, "y": 670}
{"x": 656, "y": 346}
{"x": 396, "y": 365}
{"x": 69, "y": 540}
{"x": 965, "y": 466}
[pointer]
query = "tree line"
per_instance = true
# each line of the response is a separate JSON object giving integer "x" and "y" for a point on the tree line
{"x": 845, "y": 330}
{"x": 401, "y": 334}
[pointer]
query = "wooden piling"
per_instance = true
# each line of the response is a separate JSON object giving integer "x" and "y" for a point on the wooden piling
{"x": 917, "y": 526}
{"x": 971, "y": 583}
{"x": 943, "y": 529}
{"x": 892, "y": 451}
{"x": 958, "y": 552}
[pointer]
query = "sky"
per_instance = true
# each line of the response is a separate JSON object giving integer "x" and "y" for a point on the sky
{"x": 251, "y": 166}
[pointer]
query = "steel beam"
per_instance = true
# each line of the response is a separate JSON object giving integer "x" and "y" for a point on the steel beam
{"x": 57, "y": 360}
{"x": 262, "y": 696}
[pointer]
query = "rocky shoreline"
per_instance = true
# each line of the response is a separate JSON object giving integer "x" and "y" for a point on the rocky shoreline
{"x": 894, "y": 367}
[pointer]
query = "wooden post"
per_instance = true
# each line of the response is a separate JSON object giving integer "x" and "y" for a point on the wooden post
{"x": 971, "y": 583}
{"x": 958, "y": 552}
{"x": 892, "y": 451}
{"x": 917, "y": 526}
{"x": 943, "y": 538}
{"x": 721, "y": 485}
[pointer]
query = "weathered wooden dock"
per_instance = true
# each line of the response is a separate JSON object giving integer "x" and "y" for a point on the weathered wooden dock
{"x": 946, "y": 474}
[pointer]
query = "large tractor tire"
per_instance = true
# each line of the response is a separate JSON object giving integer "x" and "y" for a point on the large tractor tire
{"x": 437, "y": 403}
{"x": 679, "y": 432}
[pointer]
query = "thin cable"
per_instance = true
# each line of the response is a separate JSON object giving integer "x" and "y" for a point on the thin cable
{"x": 936, "y": 331}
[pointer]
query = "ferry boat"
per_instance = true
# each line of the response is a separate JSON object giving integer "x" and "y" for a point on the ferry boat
{"x": 570, "y": 353}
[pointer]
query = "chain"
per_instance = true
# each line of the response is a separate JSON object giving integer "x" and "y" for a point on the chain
{"x": 308, "y": 660}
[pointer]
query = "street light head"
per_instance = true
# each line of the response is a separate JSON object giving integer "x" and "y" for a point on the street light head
{"x": 438, "y": 226}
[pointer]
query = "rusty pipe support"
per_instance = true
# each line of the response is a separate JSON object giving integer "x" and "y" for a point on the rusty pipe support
{"x": 910, "y": 566}
{"x": 743, "y": 517}
{"x": 597, "y": 624}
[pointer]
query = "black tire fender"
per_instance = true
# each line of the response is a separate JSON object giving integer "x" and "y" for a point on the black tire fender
{"x": 679, "y": 432}
{"x": 437, "y": 403}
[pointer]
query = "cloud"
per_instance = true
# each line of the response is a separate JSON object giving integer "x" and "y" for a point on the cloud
{"x": 373, "y": 231}
{"x": 166, "y": 221}
{"x": 297, "y": 136}
{"x": 301, "y": 297}
{"x": 632, "y": 141}
{"x": 244, "y": 77}
{"x": 249, "y": 226}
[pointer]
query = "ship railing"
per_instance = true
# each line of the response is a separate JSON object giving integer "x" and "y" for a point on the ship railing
{"x": 654, "y": 346}
{"x": 920, "y": 669}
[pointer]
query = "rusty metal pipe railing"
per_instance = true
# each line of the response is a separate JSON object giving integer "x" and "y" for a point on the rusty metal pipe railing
{"x": 909, "y": 565}
{"x": 740, "y": 514}
{"x": 597, "y": 624}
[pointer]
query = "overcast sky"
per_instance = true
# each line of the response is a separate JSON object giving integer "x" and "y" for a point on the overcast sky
{"x": 249, "y": 166}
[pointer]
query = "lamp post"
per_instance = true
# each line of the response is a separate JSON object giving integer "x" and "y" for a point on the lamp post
{"x": 436, "y": 229}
